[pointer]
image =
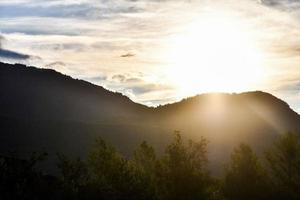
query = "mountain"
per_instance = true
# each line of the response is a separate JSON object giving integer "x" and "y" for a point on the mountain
{"x": 43, "y": 110}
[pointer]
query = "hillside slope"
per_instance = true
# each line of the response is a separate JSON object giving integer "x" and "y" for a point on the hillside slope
{"x": 42, "y": 109}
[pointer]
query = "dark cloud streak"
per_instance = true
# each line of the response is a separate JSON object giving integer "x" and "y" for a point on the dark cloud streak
{"x": 13, "y": 55}
{"x": 287, "y": 5}
{"x": 127, "y": 55}
{"x": 4, "y": 53}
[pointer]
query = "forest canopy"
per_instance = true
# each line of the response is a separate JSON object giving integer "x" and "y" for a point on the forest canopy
{"x": 181, "y": 172}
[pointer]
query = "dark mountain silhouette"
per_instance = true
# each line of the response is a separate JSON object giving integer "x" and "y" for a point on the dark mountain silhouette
{"x": 43, "y": 110}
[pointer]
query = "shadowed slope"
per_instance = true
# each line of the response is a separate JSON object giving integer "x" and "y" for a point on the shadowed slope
{"x": 33, "y": 93}
{"x": 42, "y": 109}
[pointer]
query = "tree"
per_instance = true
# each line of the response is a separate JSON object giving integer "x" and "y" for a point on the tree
{"x": 74, "y": 176}
{"x": 284, "y": 164}
{"x": 245, "y": 178}
{"x": 20, "y": 178}
{"x": 144, "y": 164}
{"x": 111, "y": 172}
{"x": 145, "y": 158}
{"x": 183, "y": 170}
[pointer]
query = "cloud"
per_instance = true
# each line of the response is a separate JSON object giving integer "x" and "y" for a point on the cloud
{"x": 4, "y": 53}
{"x": 97, "y": 79}
{"x": 91, "y": 39}
{"x": 149, "y": 87}
{"x": 68, "y": 46}
{"x": 287, "y": 5}
{"x": 1, "y": 39}
{"x": 127, "y": 55}
{"x": 135, "y": 86}
{"x": 57, "y": 64}
{"x": 81, "y": 10}
{"x": 119, "y": 78}
{"x": 13, "y": 55}
{"x": 289, "y": 85}
{"x": 129, "y": 79}
{"x": 289, "y": 90}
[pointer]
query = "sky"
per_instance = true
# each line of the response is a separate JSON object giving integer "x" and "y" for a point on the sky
{"x": 160, "y": 51}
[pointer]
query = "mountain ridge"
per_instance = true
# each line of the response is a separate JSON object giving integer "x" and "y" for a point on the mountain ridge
{"x": 161, "y": 106}
{"x": 42, "y": 109}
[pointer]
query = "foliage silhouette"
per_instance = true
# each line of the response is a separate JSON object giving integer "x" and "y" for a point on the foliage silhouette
{"x": 245, "y": 177}
{"x": 20, "y": 179}
{"x": 74, "y": 176}
{"x": 183, "y": 170}
{"x": 284, "y": 165}
{"x": 180, "y": 173}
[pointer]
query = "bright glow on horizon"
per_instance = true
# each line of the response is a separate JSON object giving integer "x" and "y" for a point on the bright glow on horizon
{"x": 214, "y": 54}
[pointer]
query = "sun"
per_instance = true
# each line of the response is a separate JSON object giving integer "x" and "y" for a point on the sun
{"x": 214, "y": 54}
